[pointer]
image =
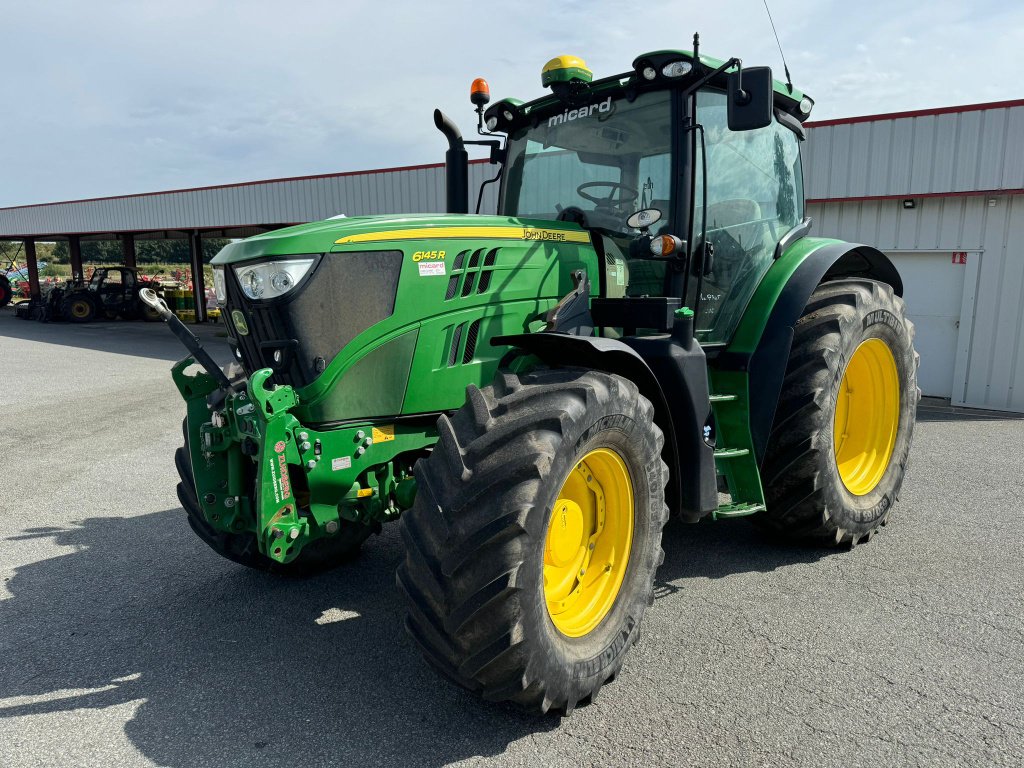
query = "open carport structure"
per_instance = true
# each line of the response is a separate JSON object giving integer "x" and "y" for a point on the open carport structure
{"x": 228, "y": 210}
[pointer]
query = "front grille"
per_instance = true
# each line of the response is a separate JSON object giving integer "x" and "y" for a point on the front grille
{"x": 344, "y": 295}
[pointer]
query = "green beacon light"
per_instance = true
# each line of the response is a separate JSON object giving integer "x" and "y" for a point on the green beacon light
{"x": 565, "y": 69}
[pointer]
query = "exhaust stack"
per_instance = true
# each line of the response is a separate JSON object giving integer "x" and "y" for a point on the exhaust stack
{"x": 456, "y": 165}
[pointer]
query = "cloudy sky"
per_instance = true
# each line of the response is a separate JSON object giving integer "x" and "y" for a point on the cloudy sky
{"x": 104, "y": 98}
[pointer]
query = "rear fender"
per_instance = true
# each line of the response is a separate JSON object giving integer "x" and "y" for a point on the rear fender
{"x": 763, "y": 340}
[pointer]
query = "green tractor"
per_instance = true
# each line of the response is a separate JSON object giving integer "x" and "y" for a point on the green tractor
{"x": 645, "y": 329}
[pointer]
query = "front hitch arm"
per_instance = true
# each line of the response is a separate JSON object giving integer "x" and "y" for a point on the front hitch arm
{"x": 185, "y": 336}
{"x": 282, "y": 531}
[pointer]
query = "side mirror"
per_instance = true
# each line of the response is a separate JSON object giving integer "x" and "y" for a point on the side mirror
{"x": 750, "y": 98}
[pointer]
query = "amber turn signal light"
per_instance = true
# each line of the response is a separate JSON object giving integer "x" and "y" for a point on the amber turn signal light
{"x": 665, "y": 245}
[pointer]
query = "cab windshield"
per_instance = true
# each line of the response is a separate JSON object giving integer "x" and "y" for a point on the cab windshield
{"x": 593, "y": 164}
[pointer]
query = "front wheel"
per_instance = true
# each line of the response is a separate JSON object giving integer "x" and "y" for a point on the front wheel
{"x": 6, "y": 292}
{"x": 536, "y": 532}
{"x": 843, "y": 427}
{"x": 79, "y": 309}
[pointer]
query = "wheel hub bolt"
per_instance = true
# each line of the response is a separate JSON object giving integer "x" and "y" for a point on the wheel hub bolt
{"x": 311, "y": 464}
{"x": 360, "y": 435}
{"x": 305, "y": 446}
{"x": 303, "y": 436}
{"x": 332, "y": 526}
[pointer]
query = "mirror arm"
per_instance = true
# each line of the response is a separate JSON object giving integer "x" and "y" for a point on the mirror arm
{"x": 733, "y": 62}
{"x": 497, "y": 151}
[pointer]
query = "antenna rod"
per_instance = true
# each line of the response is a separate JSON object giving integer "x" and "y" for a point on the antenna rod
{"x": 785, "y": 67}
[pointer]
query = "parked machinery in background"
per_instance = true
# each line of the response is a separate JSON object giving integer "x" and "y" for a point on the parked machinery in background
{"x": 110, "y": 292}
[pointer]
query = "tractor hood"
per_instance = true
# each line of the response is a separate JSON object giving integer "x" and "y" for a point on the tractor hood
{"x": 360, "y": 232}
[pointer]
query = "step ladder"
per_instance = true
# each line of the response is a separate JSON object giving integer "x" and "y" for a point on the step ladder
{"x": 734, "y": 451}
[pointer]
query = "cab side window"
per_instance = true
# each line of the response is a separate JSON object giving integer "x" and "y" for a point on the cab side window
{"x": 754, "y": 196}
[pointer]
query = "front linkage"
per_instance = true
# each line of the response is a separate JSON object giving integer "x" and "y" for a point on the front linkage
{"x": 258, "y": 468}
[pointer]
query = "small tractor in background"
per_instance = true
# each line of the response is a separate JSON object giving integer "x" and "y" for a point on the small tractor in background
{"x": 6, "y": 288}
{"x": 110, "y": 292}
{"x": 6, "y": 291}
{"x": 646, "y": 328}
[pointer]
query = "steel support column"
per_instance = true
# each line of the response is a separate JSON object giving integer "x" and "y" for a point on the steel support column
{"x": 75, "y": 252}
{"x": 195, "y": 251}
{"x": 33, "y": 268}
{"x": 128, "y": 249}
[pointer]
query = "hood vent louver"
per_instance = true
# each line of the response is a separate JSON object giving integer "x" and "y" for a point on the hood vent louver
{"x": 471, "y": 273}
{"x": 470, "y": 331}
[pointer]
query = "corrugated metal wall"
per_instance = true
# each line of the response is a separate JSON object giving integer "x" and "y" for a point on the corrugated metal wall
{"x": 953, "y": 152}
{"x": 991, "y": 362}
{"x": 418, "y": 190}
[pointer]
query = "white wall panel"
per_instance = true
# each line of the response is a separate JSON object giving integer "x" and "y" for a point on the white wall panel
{"x": 993, "y": 237}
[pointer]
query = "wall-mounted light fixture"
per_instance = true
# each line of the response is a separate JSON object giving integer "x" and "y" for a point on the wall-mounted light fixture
{"x": 909, "y": 203}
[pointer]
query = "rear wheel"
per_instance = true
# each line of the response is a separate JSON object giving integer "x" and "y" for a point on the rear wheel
{"x": 317, "y": 556}
{"x": 79, "y": 309}
{"x": 843, "y": 427}
{"x": 536, "y": 532}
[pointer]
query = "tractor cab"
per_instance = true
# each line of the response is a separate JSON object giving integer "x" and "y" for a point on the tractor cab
{"x": 685, "y": 193}
{"x": 114, "y": 288}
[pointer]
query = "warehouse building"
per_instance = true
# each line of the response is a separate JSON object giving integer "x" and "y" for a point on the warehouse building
{"x": 939, "y": 190}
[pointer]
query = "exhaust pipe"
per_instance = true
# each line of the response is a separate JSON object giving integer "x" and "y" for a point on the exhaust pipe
{"x": 456, "y": 165}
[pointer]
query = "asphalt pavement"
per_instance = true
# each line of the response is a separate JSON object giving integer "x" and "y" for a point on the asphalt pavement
{"x": 125, "y": 641}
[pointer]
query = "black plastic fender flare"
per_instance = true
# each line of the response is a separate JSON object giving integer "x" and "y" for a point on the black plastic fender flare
{"x": 766, "y": 367}
{"x": 610, "y": 356}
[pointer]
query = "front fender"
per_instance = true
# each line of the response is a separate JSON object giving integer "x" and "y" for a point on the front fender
{"x": 691, "y": 488}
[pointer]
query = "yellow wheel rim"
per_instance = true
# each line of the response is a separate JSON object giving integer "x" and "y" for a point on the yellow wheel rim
{"x": 867, "y": 416}
{"x": 80, "y": 309}
{"x": 589, "y": 538}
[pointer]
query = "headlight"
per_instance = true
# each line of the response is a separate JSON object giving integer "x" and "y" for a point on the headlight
{"x": 271, "y": 278}
{"x": 220, "y": 286}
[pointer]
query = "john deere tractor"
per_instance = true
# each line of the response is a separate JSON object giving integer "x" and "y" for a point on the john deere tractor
{"x": 646, "y": 328}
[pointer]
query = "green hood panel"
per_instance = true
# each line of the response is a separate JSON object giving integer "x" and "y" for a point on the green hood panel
{"x": 361, "y": 231}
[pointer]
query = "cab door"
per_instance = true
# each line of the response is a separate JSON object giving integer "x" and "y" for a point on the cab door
{"x": 754, "y": 197}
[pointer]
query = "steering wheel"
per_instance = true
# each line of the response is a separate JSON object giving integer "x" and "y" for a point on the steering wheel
{"x": 618, "y": 196}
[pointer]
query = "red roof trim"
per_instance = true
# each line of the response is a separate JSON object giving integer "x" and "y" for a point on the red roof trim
{"x": 917, "y": 113}
{"x": 367, "y": 172}
{"x": 916, "y": 196}
{"x": 55, "y": 236}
